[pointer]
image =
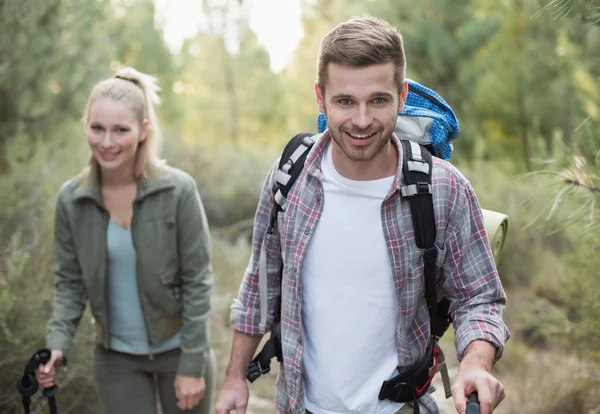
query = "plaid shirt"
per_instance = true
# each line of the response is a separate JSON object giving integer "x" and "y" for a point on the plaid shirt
{"x": 468, "y": 277}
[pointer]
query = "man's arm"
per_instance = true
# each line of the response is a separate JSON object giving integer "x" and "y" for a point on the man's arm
{"x": 481, "y": 354}
{"x": 245, "y": 311}
{"x": 234, "y": 392}
{"x": 472, "y": 283}
{"x": 242, "y": 350}
{"x": 470, "y": 277}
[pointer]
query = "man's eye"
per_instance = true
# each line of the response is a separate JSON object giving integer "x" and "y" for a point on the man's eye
{"x": 345, "y": 101}
{"x": 379, "y": 100}
{"x": 123, "y": 130}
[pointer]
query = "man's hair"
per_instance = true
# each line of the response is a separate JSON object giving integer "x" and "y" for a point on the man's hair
{"x": 361, "y": 42}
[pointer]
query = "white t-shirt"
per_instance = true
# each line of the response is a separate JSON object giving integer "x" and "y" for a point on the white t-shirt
{"x": 349, "y": 308}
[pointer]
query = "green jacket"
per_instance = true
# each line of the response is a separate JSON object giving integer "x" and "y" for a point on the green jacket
{"x": 172, "y": 241}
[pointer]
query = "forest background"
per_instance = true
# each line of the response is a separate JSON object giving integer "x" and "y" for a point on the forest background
{"x": 523, "y": 77}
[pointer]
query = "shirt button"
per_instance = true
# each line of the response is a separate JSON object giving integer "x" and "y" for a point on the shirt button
{"x": 307, "y": 231}
{"x": 318, "y": 197}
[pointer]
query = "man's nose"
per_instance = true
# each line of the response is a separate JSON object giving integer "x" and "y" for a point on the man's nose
{"x": 362, "y": 117}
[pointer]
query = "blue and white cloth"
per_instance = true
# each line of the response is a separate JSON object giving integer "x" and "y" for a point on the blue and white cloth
{"x": 424, "y": 102}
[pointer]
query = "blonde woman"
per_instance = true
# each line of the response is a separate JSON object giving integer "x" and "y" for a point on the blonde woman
{"x": 132, "y": 239}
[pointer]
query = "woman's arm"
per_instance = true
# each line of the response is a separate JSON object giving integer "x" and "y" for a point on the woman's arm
{"x": 70, "y": 298}
{"x": 194, "y": 247}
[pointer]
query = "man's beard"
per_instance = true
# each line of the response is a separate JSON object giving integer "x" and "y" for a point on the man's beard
{"x": 366, "y": 153}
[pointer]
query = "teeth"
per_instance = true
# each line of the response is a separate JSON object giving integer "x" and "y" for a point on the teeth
{"x": 360, "y": 136}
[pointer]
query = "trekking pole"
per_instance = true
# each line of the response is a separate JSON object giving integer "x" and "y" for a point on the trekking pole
{"x": 473, "y": 404}
{"x": 27, "y": 385}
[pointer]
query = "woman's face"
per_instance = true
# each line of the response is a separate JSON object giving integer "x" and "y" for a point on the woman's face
{"x": 114, "y": 134}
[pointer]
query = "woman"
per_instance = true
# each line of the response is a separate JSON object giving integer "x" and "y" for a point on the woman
{"x": 132, "y": 239}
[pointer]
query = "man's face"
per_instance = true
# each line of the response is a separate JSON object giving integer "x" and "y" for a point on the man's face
{"x": 361, "y": 106}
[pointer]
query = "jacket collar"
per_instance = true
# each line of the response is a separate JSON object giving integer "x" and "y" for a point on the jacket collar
{"x": 156, "y": 178}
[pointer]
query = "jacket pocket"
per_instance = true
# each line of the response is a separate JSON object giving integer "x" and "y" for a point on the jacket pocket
{"x": 158, "y": 251}
{"x": 172, "y": 284}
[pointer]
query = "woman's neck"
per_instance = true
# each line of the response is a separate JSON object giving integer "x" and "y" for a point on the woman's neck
{"x": 117, "y": 178}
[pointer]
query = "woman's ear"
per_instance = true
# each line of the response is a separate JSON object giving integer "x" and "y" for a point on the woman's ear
{"x": 144, "y": 130}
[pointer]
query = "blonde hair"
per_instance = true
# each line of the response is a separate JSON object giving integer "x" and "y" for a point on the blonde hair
{"x": 139, "y": 92}
{"x": 361, "y": 42}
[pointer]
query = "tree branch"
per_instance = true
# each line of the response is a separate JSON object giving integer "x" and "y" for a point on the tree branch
{"x": 577, "y": 183}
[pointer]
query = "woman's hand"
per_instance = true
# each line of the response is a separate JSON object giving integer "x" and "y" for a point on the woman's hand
{"x": 45, "y": 372}
{"x": 189, "y": 391}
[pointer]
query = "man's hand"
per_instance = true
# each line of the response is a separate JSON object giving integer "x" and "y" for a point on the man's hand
{"x": 474, "y": 375}
{"x": 234, "y": 392}
{"x": 233, "y": 396}
{"x": 189, "y": 391}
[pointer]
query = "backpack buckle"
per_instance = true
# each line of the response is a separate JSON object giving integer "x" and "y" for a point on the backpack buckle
{"x": 308, "y": 141}
{"x": 430, "y": 255}
{"x": 255, "y": 370}
{"x": 419, "y": 188}
{"x": 396, "y": 392}
{"x": 423, "y": 188}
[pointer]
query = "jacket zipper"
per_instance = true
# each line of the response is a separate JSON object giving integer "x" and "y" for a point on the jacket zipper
{"x": 106, "y": 298}
{"x": 138, "y": 279}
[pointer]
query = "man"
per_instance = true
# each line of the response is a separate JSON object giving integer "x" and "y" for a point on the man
{"x": 353, "y": 313}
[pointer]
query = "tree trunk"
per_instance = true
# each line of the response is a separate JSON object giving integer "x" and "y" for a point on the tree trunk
{"x": 522, "y": 117}
{"x": 8, "y": 122}
{"x": 234, "y": 116}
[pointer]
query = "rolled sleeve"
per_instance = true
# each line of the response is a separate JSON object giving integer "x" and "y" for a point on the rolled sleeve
{"x": 245, "y": 310}
{"x": 471, "y": 279}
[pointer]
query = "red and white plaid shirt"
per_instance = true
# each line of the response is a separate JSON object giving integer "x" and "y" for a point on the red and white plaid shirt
{"x": 468, "y": 278}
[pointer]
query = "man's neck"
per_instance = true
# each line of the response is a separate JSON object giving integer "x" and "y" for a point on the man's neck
{"x": 384, "y": 164}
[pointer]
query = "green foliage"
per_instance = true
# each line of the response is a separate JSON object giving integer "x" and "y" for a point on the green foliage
{"x": 40, "y": 85}
{"x": 26, "y": 273}
{"x": 543, "y": 324}
{"x": 229, "y": 179}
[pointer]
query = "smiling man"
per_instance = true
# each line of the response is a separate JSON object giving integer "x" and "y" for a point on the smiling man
{"x": 343, "y": 262}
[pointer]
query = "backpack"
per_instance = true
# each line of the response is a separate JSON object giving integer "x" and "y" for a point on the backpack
{"x": 425, "y": 127}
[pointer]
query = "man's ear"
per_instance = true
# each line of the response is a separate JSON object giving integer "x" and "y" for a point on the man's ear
{"x": 403, "y": 95}
{"x": 319, "y": 97}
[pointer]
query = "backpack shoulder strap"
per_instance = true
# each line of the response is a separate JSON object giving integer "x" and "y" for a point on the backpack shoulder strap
{"x": 291, "y": 164}
{"x": 416, "y": 170}
{"x": 417, "y": 165}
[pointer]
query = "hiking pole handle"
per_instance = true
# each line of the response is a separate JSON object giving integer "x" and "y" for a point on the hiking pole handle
{"x": 473, "y": 404}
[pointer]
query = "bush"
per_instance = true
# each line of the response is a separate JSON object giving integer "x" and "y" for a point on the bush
{"x": 27, "y": 280}
{"x": 229, "y": 178}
